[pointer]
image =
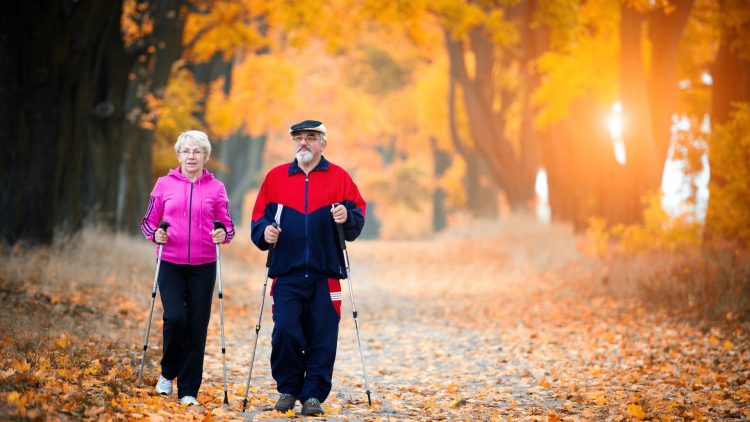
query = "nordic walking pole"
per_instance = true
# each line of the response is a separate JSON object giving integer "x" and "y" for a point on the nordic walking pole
{"x": 220, "y": 225}
{"x": 342, "y": 243}
{"x": 276, "y": 222}
{"x": 164, "y": 226}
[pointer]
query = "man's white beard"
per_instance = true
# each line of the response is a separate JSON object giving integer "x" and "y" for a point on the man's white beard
{"x": 304, "y": 156}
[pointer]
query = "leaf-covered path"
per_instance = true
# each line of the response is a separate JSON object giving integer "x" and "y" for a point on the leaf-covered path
{"x": 495, "y": 322}
{"x": 507, "y": 323}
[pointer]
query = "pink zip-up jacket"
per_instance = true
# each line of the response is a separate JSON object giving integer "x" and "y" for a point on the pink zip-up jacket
{"x": 190, "y": 208}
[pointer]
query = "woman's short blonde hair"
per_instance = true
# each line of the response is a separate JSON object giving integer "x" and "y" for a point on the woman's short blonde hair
{"x": 193, "y": 137}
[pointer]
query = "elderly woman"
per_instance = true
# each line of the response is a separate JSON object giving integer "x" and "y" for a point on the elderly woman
{"x": 190, "y": 200}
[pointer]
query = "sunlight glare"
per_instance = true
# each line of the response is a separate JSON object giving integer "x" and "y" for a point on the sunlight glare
{"x": 543, "y": 212}
{"x": 615, "y": 124}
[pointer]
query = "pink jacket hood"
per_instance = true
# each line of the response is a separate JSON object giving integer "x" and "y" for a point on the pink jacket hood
{"x": 191, "y": 209}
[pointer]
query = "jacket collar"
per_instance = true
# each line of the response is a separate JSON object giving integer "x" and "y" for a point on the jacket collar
{"x": 295, "y": 168}
{"x": 176, "y": 173}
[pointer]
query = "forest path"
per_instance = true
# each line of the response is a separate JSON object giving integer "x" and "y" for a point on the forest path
{"x": 492, "y": 321}
{"x": 504, "y": 322}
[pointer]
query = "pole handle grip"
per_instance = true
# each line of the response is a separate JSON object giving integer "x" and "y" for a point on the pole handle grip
{"x": 219, "y": 225}
{"x": 164, "y": 226}
{"x": 271, "y": 249}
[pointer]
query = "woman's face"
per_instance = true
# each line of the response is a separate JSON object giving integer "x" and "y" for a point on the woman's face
{"x": 192, "y": 158}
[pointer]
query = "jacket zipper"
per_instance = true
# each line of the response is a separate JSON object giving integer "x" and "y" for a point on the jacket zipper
{"x": 307, "y": 243}
{"x": 190, "y": 218}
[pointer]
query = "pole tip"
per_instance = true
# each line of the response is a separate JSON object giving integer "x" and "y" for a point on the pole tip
{"x": 244, "y": 404}
{"x": 369, "y": 401}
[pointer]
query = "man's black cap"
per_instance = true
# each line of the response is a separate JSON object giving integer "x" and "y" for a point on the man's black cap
{"x": 312, "y": 125}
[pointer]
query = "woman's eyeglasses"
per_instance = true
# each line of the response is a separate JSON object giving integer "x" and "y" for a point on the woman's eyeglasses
{"x": 196, "y": 154}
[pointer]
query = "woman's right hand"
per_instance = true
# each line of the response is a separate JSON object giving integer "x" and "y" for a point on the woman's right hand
{"x": 161, "y": 236}
{"x": 271, "y": 234}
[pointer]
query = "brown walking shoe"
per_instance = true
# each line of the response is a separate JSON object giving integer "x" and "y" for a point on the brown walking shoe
{"x": 312, "y": 407}
{"x": 285, "y": 403}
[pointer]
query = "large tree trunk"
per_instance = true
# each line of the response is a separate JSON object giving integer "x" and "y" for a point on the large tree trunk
{"x": 637, "y": 134}
{"x": 534, "y": 41}
{"x": 648, "y": 100}
{"x": 580, "y": 164}
{"x": 481, "y": 199}
{"x": 665, "y": 33}
{"x": 242, "y": 156}
{"x": 50, "y": 67}
{"x": 150, "y": 75}
{"x": 486, "y": 126}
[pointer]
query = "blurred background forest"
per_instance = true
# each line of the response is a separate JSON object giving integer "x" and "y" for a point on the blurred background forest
{"x": 558, "y": 197}
{"x": 443, "y": 111}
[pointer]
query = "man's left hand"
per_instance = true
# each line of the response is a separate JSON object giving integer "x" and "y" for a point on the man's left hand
{"x": 339, "y": 214}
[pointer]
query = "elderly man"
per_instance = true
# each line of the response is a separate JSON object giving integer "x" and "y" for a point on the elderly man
{"x": 313, "y": 195}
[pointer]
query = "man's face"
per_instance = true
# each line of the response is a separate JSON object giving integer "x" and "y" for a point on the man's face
{"x": 308, "y": 145}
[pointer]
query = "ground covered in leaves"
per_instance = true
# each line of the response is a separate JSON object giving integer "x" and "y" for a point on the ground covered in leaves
{"x": 495, "y": 321}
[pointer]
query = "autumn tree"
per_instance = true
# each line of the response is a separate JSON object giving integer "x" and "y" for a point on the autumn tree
{"x": 648, "y": 94}
{"x": 729, "y": 210}
{"x": 62, "y": 86}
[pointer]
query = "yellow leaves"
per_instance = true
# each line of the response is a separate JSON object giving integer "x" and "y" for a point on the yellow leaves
{"x": 729, "y": 207}
{"x": 19, "y": 399}
{"x": 597, "y": 398}
{"x": 61, "y": 342}
{"x": 226, "y": 27}
{"x": 175, "y": 112}
{"x": 636, "y": 411}
{"x": 553, "y": 417}
{"x": 262, "y": 96}
{"x": 429, "y": 403}
{"x": 458, "y": 17}
{"x": 727, "y": 345}
{"x": 21, "y": 365}
{"x": 93, "y": 368}
{"x": 135, "y": 22}
{"x": 597, "y": 237}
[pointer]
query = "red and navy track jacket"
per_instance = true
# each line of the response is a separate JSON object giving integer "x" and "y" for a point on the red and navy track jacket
{"x": 308, "y": 243}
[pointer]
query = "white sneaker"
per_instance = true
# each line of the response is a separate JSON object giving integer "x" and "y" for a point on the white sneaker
{"x": 164, "y": 386}
{"x": 189, "y": 400}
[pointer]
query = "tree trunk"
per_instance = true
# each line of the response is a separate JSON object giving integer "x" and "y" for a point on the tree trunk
{"x": 151, "y": 73}
{"x": 442, "y": 161}
{"x": 534, "y": 41}
{"x": 581, "y": 170}
{"x": 665, "y": 33}
{"x": 486, "y": 126}
{"x": 648, "y": 100}
{"x": 48, "y": 92}
{"x": 637, "y": 135}
{"x": 242, "y": 155}
{"x": 481, "y": 201}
